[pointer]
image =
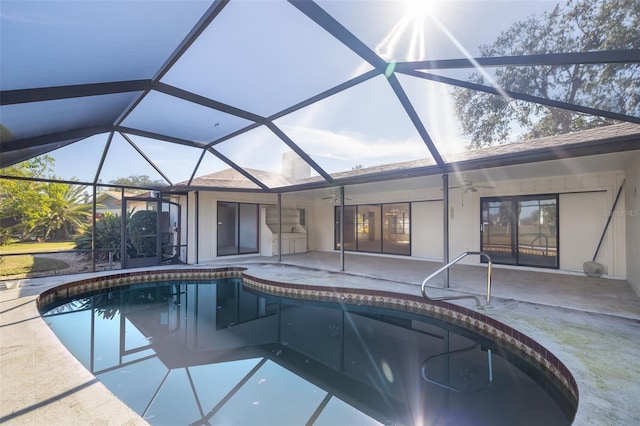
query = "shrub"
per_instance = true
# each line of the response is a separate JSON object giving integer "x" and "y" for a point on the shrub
{"x": 107, "y": 237}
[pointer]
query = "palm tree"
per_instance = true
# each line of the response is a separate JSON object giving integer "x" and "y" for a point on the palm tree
{"x": 67, "y": 210}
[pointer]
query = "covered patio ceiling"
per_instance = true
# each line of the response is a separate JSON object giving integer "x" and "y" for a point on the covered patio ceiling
{"x": 272, "y": 96}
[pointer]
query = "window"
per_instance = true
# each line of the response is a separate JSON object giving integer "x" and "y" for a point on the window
{"x": 302, "y": 215}
{"x": 375, "y": 228}
{"x": 521, "y": 230}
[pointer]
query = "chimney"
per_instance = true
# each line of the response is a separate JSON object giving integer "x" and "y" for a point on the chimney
{"x": 294, "y": 167}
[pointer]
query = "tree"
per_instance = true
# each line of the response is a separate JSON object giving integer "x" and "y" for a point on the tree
{"x": 138, "y": 180}
{"x": 67, "y": 210}
{"x": 581, "y": 26}
{"x": 23, "y": 202}
{"x": 33, "y": 208}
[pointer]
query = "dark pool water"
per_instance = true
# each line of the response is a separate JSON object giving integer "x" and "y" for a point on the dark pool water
{"x": 198, "y": 353}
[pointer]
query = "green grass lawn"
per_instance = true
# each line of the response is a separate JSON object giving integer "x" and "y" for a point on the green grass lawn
{"x": 36, "y": 247}
{"x": 23, "y": 266}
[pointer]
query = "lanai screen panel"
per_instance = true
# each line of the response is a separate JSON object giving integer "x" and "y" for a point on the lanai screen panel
{"x": 78, "y": 161}
{"x": 176, "y": 161}
{"x": 31, "y": 119}
{"x": 168, "y": 115}
{"x": 56, "y": 43}
{"x": 123, "y": 161}
{"x": 267, "y": 158}
{"x": 364, "y": 127}
{"x": 612, "y": 87}
{"x": 343, "y": 89}
{"x": 263, "y": 57}
{"x": 422, "y": 30}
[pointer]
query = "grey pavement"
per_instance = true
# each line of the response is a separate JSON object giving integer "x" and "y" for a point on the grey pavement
{"x": 591, "y": 324}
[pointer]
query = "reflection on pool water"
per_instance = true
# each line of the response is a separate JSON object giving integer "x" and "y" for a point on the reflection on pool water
{"x": 195, "y": 352}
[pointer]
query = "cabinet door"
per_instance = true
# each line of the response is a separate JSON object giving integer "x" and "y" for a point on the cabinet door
{"x": 285, "y": 245}
{"x": 275, "y": 247}
{"x": 300, "y": 245}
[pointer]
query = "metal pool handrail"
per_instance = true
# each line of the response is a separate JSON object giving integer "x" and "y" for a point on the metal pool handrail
{"x": 448, "y": 265}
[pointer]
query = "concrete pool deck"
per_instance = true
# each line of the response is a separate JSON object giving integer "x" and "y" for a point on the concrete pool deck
{"x": 591, "y": 324}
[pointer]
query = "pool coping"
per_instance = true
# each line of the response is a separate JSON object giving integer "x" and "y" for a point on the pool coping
{"x": 520, "y": 344}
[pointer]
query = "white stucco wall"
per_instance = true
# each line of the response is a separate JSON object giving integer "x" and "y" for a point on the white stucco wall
{"x": 207, "y": 223}
{"x": 584, "y": 202}
{"x": 632, "y": 219}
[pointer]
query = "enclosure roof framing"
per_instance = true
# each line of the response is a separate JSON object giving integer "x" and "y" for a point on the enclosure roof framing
{"x": 287, "y": 95}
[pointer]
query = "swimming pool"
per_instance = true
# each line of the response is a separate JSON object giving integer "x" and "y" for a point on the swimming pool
{"x": 241, "y": 350}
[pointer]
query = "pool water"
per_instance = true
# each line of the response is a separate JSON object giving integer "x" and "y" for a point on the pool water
{"x": 197, "y": 353}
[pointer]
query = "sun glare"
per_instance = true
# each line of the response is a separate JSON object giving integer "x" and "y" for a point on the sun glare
{"x": 411, "y": 25}
{"x": 418, "y": 9}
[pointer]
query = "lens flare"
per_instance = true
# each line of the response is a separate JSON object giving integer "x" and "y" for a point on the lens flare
{"x": 386, "y": 370}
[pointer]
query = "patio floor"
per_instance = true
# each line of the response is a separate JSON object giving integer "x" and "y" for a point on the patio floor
{"x": 591, "y": 324}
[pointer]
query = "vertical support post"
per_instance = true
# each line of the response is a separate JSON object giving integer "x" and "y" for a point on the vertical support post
{"x": 342, "y": 228}
{"x": 279, "y": 227}
{"x": 93, "y": 232}
{"x": 159, "y": 229}
{"x": 186, "y": 234}
{"x": 197, "y": 222}
{"x": 445, "y": 226}
{"x": 123, "y": 231}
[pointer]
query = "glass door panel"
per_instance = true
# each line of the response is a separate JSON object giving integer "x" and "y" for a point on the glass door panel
{"x": 537, "y": 232}
{"x": 249, "y": 228}
{"x": 349, "y": 228}
{"x": 368, "y": 228}
{"x": 227, "y": 228}
{"x": 395, "y": 232}
{"x": 498, "y": 238}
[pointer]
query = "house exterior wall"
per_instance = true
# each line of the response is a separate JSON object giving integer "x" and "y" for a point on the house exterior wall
{"x": 189, "y": 217}
{"x": 631, "y": 216}
{"x": 584, "y": 203}
{"x": 207, "y": 218}
{"x": 108, "y": 205}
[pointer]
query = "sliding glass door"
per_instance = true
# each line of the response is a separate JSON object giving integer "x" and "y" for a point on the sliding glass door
{"x": 375, "y": 228}
{"x": 521, "y": 230}
{"x": 237, "y": 228}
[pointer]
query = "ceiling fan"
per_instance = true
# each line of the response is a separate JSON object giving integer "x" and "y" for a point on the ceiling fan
{"x": 335, "y": 199}
{"x": 468, "y": 186}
